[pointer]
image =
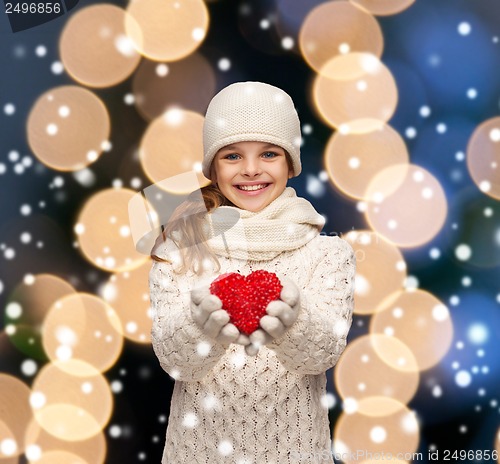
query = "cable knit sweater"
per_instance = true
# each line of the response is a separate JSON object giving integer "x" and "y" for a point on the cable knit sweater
{"x": 228, "y": 407}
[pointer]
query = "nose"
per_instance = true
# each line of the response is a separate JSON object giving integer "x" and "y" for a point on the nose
{"x": 251, "y": 167}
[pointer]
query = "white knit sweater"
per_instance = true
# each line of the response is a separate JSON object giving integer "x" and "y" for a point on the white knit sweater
{"x": 228, "y": 407}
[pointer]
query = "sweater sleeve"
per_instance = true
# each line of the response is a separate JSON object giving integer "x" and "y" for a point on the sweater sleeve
{"x": 183, "y": 350}
{"x": 318, "y": 337}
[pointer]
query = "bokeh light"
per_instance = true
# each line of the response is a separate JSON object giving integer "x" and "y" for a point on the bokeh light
{"x": 68, "y": 128}
{"x": 128, "y": 293}
{"x": 145, "y": 220}
{"x": 362, "y": 373}
{"x": 43, "y": 447}
{"x": 380, "y": 270}
{"x": 166, "y": 30}
{"x": 61, "y": 457}
{"x": 28, "y": 305}
{"x": 94, "y": 47}
{"x": 71, "y": 407}
{"x": 406, "y": 205}
{"x": 352, "y": 160}
{"x": 103, "y": 231}
{"x": 355, "y": 93}
{"x": 420, "y": 320}
{"x": 189, "y": 83}
{"x": 338, "y": 28}
{"x": 172, "y": 145}
{"x": 483, "y": 157}
{"x": 361, "y": 436}
{"x": 497, "y": 444}
{"x": 383, "y": 7}
{"x": 83, "y": 326}
{"x": 15, "y": 415}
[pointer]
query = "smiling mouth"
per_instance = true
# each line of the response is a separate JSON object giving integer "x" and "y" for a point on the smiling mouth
{"x": 252, "y": 188}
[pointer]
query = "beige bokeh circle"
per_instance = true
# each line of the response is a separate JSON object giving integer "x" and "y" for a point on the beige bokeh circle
{"x": 483, "y": 157}
{"x": 68, "y": 128}
{"x": 72, "y": 404}
{"x": 380, "y": 270}
{"x": 337, "y": 28}
{"x": 83, "y": 326}
{"x": 355, "y": 93}
{"x": 103, "y": 231}
{"x": 61, "y": 457}
{"x": 383, "y": 7}
{"x": 360, "y": 436}
{"x": 15, "y": 415}
{"x": 166, "y": 30}
{"x": 362, "y": 373}
{"x": 128, "y": 293}
{"x": 497, "y": 444}
{"x": 172, "y": 145}
{"x": 94, "y": 47}
{"x": 420, "y": 320}
{"x": 352, "y": 160}
{"x": 43, "y": 447}
{"x": 406, "y": 204}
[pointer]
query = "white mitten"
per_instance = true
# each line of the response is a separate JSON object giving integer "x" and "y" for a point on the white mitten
{"x": 207, "y": 313}
{"x": 281, "y": 314}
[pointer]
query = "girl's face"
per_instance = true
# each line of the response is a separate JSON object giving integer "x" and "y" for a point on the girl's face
{"x": 260, "y": 164}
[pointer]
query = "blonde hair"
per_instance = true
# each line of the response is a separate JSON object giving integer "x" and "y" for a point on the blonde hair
{"x": 188, "y": 219}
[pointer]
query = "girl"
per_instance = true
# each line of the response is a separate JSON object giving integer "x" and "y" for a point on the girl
{"x": 260, "y": 398}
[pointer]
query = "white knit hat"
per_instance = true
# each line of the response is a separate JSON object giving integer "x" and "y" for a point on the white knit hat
{"x": 251, "y": 112}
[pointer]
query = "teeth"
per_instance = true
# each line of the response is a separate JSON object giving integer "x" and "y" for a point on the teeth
{"x": 251, "y": 187}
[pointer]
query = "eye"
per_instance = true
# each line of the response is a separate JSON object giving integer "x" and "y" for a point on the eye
{"x": 230, "y": 154}
{"x": 270, "y": 153}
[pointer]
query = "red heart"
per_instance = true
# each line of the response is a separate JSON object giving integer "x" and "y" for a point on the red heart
{"x": 246, "y": 298}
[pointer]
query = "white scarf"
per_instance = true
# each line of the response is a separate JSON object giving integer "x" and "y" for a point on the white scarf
{"x": 287, "y": 223}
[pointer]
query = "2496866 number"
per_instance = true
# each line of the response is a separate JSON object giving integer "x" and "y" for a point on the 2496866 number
{"x": 470, "y": 455}
{"x": 39, "y": 8}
